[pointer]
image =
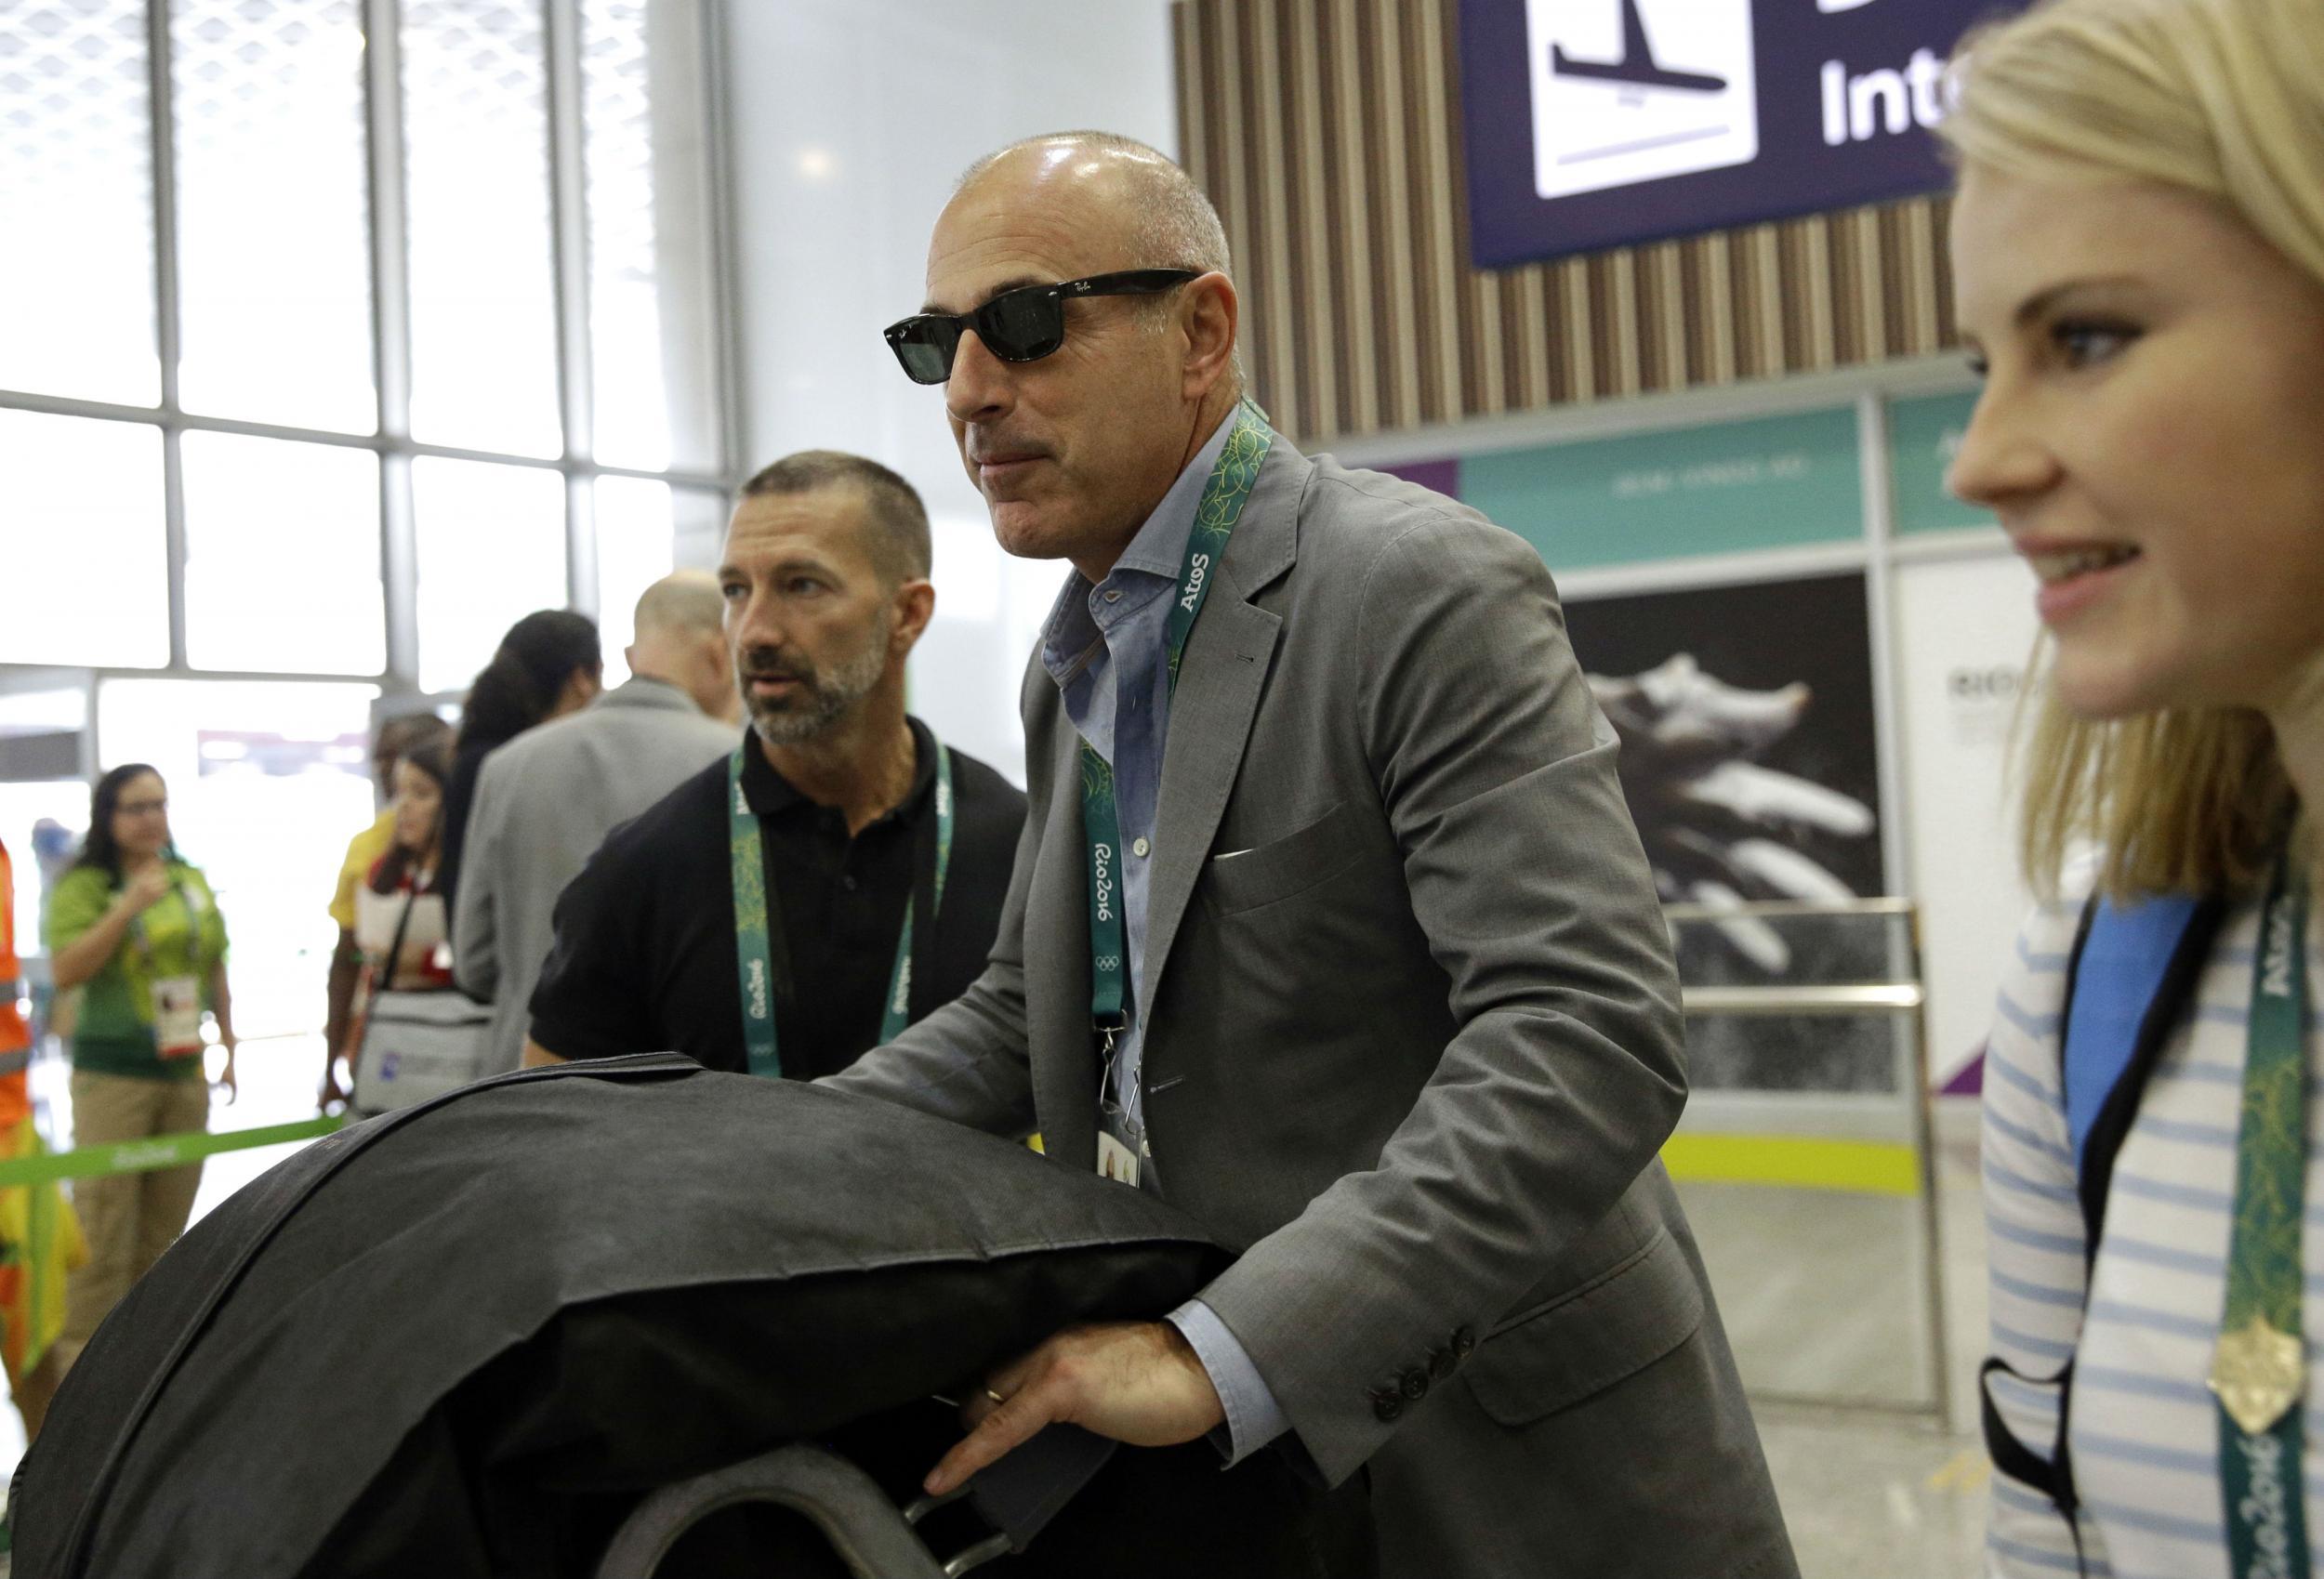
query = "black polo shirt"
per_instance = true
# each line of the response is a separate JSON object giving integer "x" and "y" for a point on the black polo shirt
{"x": 644, "y": 957}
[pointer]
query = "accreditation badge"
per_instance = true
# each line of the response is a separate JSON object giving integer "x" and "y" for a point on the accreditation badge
{"x": 178, "y": 1016}
{"x": 1117, "y": 1161}
{"x": 2258, "y": 1373}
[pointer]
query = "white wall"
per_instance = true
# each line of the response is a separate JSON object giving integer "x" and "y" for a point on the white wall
{"x": 850, "y": 120}
{"x": 1964, "y": 629}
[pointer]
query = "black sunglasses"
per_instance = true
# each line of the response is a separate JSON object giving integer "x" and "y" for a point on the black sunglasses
{"x": 1020, "y": 325}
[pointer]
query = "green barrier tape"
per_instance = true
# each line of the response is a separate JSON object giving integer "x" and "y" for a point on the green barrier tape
{"x": 158, "y": 1152}
{"x": 1854, "y": 1166}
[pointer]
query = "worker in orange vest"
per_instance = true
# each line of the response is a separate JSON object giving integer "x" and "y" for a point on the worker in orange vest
{"x": 40, "y": 1238}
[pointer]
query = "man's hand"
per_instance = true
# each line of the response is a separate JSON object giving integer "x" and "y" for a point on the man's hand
{"x": 1137, "y": 1382}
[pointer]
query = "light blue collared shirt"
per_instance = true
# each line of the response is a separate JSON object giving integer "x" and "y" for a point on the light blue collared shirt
{"x": 1105, "y": 646}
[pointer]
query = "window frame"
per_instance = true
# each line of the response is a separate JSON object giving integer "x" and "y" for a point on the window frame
{"x": 391, "y": 333}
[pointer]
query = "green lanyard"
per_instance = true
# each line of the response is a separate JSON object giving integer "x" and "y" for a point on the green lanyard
{"x": 1221, "y": 506}
{"x": 2260, "y": 1368}
{"x": 144, "y": 941}
{"x": 754, "y": 926}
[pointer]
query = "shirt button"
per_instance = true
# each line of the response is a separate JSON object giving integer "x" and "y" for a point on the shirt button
{"x": 1139, "y": 848}
{"x": 1115, "y": 596}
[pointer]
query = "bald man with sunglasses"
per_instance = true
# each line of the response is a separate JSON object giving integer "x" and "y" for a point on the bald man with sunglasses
{"x": 1329, "y": 927}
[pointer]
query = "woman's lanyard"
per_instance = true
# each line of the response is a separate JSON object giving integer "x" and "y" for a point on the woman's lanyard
{"x": 1222, "y": 505}
{"x": 2260, "y": 1369}
{"x": 176, "y": 997}
{"x": 759, "y": 926}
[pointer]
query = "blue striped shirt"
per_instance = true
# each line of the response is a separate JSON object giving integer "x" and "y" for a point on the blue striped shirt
{"x": 2145, "y": 1428}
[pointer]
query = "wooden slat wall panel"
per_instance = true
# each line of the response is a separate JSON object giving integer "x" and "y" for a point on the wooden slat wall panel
{"x": 1326, "y": 131}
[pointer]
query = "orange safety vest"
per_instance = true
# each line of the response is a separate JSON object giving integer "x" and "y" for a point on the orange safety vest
{"x": 15, "y": 1037}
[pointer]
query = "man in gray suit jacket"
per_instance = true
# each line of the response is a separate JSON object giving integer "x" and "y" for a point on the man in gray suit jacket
{"x": 1329, "y": 925}
{"x": 546, "y": 800}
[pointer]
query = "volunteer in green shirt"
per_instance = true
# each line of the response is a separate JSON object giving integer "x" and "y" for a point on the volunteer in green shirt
{"x": 137, "y": 931}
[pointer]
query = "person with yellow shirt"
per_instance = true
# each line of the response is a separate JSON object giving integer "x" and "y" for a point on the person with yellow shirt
{"x": 137, "y": 932}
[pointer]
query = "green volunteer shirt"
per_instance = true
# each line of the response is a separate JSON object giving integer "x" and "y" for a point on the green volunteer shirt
{"x": 181, "y": 934}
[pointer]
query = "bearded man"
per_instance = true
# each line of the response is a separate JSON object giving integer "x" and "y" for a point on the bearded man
{"x": 840, "y": 872}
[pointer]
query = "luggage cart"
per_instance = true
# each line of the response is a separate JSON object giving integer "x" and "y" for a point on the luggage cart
{"x": 868, "y": 1532}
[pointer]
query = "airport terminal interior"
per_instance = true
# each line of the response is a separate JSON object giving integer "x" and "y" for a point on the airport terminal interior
{"x": 341, "y": 335}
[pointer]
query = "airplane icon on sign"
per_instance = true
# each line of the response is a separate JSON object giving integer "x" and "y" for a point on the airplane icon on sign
{"x": 1614, "y": 104}
{"x": 1637, "y": 66}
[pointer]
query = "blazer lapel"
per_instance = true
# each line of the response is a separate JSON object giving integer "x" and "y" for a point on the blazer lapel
{"x": 1060, "y": 1042}
{"x": 1219, "y": 680}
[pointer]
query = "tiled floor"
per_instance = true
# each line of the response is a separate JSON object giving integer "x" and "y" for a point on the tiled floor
{"x": 1820, "y": 1294}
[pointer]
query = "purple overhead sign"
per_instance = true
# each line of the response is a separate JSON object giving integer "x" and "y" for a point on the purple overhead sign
{"x": 1596, "y": 123}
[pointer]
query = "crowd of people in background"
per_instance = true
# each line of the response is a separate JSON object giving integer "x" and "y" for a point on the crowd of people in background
{"x": 137, "y": 993}
{"x": 546, "y": 801}
{"x": 519, "y": 796}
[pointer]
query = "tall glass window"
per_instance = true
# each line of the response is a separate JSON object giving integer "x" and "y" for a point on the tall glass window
{"x": 492, "y": 550}
{"x": 283, "y": 557}
{"x": 302, "y": 306}
{"x": 650, "y": 295}
{"x": 273, "y": 242}
{"x": 81, "y": 512}
{"x": 306, "y": 328}
{"x": 636, "y": 547}
{"x": 77, "y": 171}
{"x": 483, "y": 295}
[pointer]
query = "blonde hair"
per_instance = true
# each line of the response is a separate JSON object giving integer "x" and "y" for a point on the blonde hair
{"x": 2224, "y": 98}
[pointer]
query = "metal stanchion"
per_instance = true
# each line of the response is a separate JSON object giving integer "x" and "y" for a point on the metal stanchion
{"x": 1904, "y": 1000}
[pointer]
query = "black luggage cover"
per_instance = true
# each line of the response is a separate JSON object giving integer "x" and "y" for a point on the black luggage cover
{"x": 465, "y": 1338}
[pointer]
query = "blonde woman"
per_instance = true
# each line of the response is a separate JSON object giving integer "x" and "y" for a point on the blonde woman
{"x": 2139, "y": 248}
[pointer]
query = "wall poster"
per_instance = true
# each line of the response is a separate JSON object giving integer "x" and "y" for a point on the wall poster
{"x": 1750, "y": 762}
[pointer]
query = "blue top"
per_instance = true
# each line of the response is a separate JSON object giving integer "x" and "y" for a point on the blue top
{"x": 1104, "y": 646}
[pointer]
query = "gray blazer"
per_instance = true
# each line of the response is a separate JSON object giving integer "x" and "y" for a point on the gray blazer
{"x": 1414, "y": 1043}
{"x": 544, "y": 803}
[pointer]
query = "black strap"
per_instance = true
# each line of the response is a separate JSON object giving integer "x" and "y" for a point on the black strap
{"x": 2013, "y": 1457}
{"x": 2055, "y": 1477}
{"x": 2173, "y": 994}
{"x": 922, "y": 997}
